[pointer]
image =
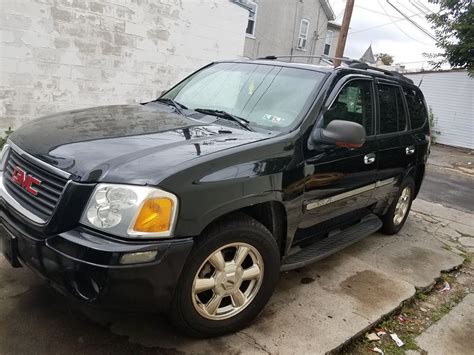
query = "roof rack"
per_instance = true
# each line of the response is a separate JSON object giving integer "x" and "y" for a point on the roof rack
{"x": 351, "y": 63}
{"x": 365, "y": 66}
{"x": 275, "y": 57}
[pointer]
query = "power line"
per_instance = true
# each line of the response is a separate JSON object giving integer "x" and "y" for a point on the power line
{"x": 423, "y": 6}
{"x": 378, "y": 12}
{"x": 409, "y": 9}
{"x": 411, "y": 21}
{"x": 418, "y": 7}
{"x": 401, "y": 30}
{"x": 370, "y": 28}
{"x": 339, "y": 15}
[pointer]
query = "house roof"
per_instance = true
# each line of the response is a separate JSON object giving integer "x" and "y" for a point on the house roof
{"x": 368, "y": 56}
{"x": 334, "y": 25}
{"x": 327, "y": 9}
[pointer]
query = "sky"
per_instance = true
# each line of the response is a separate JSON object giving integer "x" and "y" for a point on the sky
{"x": 376, "y": 23}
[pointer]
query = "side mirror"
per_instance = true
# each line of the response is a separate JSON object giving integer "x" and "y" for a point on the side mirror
{"x": 340, "y": 134}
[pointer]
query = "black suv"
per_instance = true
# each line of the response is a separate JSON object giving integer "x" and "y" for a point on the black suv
{"x": 192, "y": 204}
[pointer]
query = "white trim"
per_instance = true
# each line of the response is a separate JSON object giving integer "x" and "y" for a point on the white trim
{"x": 254, "y": 19}
{"x": 303, "y": 36}
{"x": 347, "y": 194}
{"x": 385, "y": 182}
{"x": 328, "y": 41}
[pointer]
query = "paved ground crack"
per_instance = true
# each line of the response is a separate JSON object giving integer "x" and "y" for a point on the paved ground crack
{"x": 253, "y": 341}
{"x": 438, "y": 218}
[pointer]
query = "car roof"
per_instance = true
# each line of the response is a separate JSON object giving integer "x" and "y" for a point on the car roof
{"x": 389, "y": 76}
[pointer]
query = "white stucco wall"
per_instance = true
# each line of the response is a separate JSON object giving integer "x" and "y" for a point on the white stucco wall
{"x": 57, "y": 55}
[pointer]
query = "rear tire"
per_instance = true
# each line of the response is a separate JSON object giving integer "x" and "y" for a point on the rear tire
{"x": 219, "y": 291}
{"x": 398, "y": 212}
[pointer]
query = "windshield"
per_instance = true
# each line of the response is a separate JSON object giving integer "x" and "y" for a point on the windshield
{"x": 272, "y": 97}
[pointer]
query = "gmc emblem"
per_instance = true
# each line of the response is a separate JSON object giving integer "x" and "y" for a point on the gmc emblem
{"x": 25, "y": 181}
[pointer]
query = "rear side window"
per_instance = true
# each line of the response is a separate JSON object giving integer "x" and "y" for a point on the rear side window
{"x": 416, "y": 108}
{"x": 392, "y": 111}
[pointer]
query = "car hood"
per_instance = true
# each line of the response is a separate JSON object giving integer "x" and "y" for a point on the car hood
{"x": 126, "y": 144}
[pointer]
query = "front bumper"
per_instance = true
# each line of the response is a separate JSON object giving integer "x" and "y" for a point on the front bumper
{"x": 85, "y": 265}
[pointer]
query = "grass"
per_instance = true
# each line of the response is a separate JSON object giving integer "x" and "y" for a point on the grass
{"x": 447, "y": 247}
{"x": 440, "y": 312}
{"x": 444, "y": 309}
{"x": 467, "y": 257}
{"x": 421, "y": 296}
{"x": 3, "y": 140}
{"x": 426, "y": 308}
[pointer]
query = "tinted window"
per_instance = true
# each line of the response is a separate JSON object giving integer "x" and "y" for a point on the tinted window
{"x": 392, "y": 111}
{"x": 354, "y": 103}
{"x": 416, "y": 108}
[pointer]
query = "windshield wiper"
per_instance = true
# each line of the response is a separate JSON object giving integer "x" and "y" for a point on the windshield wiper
{"x": 173, "y": 103}
{"x": 225, "y": 115}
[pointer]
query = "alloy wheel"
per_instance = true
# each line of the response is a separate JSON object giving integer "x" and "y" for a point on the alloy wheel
{"x": 401, "y": 208}
{"x": 227, "y": 281}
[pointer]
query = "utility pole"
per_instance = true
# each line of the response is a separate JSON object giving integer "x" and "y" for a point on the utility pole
{"x": 341, "y": 42}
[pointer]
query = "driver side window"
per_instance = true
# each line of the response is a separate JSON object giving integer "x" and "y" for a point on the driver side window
{"x": 353, "y": 103}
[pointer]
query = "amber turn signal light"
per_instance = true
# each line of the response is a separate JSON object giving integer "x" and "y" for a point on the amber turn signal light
{"x": 155, "y": 216}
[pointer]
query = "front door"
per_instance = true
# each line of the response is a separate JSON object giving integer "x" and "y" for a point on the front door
{"x": 340, "y": 180}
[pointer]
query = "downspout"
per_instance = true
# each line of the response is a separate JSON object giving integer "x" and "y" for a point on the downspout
{"x": 294, "y": 31}
{"x": 315, "y": 36}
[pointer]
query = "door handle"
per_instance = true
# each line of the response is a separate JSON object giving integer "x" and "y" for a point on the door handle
{"x": 369, "y": 158}
{"x": 409, "y": 150}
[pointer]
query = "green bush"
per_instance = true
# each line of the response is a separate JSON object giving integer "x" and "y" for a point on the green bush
{"x": 3, "y": 140}
{"x": 433, "y": 121}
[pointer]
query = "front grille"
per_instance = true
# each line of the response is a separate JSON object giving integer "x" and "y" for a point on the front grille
{"x": 49, "y": 191}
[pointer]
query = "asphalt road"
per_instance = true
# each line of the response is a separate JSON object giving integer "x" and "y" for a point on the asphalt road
{"x": 448, "y": 188}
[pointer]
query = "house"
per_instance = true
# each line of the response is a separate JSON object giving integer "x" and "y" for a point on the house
{"x": 290, "y": 27}
{"x": 449, "y": 95}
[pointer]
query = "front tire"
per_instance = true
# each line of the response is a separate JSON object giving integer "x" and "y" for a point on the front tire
{"x": 398, "y": 212}
{"x": 230, "y": 275}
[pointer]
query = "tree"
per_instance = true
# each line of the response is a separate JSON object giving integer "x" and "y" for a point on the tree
{"x": 454, "y": 31}
{"x": 386, "y": 58}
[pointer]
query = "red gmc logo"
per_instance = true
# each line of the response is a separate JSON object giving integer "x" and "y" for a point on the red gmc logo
{"x": 25, "y": 181}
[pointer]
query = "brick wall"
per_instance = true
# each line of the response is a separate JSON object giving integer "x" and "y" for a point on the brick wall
{"x": 57, "y": 55}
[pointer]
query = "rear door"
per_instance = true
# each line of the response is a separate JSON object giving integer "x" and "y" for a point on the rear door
{"x": 396, "y": 146}
{"x": 418, "y": 122}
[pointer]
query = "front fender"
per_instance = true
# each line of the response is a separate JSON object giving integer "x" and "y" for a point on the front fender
{"x": 205, "y": 202}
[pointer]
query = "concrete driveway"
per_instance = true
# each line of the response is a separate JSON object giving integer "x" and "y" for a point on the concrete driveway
{"x": 315, "y": 309}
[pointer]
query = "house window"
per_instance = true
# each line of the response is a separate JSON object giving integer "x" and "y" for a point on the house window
{"x": 252, "y": 18}
{"x": 328, "y": 43}
{"x": 303, "y": 35}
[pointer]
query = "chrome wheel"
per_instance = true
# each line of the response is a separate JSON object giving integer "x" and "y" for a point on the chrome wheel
{"x": 227, "y": 281}
{"x": 401, "y": 208}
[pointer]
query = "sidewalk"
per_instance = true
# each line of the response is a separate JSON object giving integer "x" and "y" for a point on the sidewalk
{"x": 453, "y": 333}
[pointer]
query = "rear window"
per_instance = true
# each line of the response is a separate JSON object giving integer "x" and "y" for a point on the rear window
{"x": 416, "y": 108}
{"x": 392, "y": 110}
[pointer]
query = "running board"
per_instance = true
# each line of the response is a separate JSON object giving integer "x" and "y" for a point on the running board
{"x": 332, "y": 244}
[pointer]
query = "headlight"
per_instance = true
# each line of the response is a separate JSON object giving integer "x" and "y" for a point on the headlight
{"x": 3, "y": 156}
{"x": 131, "y": 211}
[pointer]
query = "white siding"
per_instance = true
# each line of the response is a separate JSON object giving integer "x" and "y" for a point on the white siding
{"x": 450, "y": 95}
